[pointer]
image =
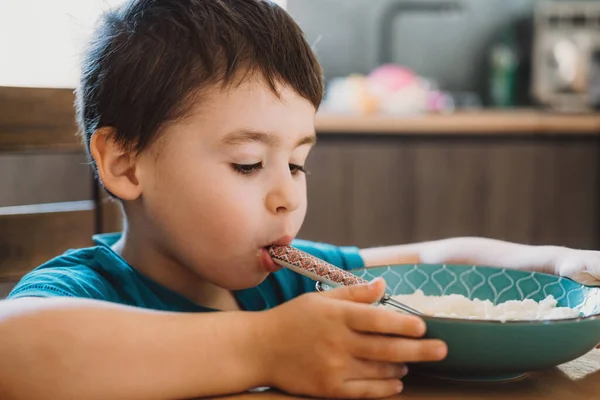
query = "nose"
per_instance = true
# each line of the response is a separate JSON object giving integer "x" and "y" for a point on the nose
{"x": 285, "y": 195}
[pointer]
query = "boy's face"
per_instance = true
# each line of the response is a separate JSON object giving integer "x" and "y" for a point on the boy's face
{"x": 227, "y": 181}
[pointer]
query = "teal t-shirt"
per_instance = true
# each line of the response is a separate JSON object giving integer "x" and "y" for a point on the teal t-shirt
{"x": 99, "y": 273}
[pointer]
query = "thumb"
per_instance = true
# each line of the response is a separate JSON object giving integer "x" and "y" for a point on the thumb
{"x": 361, "y": 293}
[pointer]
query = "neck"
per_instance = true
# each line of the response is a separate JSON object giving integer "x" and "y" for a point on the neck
{"x": 152, "y": 260}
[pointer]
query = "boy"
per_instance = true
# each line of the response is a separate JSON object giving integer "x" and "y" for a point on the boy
{"x": 199, "y": 116}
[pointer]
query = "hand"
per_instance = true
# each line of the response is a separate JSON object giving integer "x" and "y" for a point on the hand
{"x": 582, "y": 266}
{"x": 336, "y": 344}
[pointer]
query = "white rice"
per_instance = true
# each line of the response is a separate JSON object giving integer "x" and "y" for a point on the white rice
{"x": 458, "y": 306}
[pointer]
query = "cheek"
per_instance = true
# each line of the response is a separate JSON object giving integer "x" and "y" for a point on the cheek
{"x": 209, "y": 205}
{"x": 299, "y": 214}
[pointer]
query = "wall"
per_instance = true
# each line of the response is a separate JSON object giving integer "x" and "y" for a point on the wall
{"x": 448, "y": 46}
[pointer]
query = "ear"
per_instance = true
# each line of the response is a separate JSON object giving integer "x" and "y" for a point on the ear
{"x": 116, "y": 166}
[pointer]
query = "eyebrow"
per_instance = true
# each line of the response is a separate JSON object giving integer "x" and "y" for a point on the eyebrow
{"x": 249, "y": 136}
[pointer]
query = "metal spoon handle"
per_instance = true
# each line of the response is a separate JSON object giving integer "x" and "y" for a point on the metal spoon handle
{"x": 387, "y": 299}
{"x": 321, "y": 271}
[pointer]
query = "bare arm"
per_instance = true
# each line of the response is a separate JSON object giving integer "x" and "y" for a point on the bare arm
{"x": 332, "y": 344}
{"x": 72, "y": 348}
{"x": 468, "y": 250}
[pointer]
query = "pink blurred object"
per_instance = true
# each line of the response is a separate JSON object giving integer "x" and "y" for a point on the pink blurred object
{"x": 388, "y": 89}
{"x": 399, "y": 90}
{"x": 439, "y": 101}
{"x": 392, "y": 77}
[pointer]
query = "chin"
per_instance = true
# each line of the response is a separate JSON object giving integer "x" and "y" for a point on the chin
{"x": 247, "y": 282}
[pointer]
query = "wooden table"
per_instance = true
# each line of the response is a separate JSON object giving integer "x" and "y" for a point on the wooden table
{"x": 577, "y": 380}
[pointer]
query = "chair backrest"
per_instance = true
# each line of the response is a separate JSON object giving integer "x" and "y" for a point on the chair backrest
{"x": 35, "y": 120}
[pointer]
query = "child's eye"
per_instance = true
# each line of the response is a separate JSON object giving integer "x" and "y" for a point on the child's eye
{"x": 247, "y": 169}
{"x": 297, "y": 168}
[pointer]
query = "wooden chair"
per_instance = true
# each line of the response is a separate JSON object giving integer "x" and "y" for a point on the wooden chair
{"x": 33, "y": 121}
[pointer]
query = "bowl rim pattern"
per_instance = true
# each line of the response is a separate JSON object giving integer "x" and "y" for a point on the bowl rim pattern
{"x": 500, "y": 271}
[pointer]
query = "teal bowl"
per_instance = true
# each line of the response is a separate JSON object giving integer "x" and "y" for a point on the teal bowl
{"x": 485, "y": 350}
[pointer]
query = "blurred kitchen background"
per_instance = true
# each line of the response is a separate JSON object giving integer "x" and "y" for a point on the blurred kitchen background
{"x": 442, "y": 118}
{"x": 480, "y": 52}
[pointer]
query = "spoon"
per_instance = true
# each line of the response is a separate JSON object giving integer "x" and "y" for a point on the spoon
{"x": 323, "y": 272}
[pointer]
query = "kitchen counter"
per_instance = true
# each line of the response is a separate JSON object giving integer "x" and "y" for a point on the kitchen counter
{"x": 480, "y": 122}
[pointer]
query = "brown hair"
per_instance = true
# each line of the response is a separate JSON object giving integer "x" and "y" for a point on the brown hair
{"x": 149, "y": 61}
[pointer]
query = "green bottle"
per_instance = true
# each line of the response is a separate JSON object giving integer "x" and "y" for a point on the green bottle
{"x": 503, "y": 69}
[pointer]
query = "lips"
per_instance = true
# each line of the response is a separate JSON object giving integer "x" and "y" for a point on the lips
{"x": 283, "y": 241}
{"x": 265, "y": 258}
{"x": 267, "y": 261}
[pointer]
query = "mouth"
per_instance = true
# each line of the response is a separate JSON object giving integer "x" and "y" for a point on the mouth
{"x": 265, "y": 258}
{"x": 283, "y": 241}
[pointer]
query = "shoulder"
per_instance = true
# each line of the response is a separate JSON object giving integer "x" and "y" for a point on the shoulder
{"x": 76, "y": 273}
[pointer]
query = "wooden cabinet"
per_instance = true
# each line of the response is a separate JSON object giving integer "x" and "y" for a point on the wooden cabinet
{"x": 378, "y": 189}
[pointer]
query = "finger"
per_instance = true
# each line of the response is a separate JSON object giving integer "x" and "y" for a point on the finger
{"x": 365, "y": 369}
{"x": 371, "y": 388}
{"x": 394, "y": 349}
{"x": 361, "y": 293}
{"x": 380, "y": 320}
